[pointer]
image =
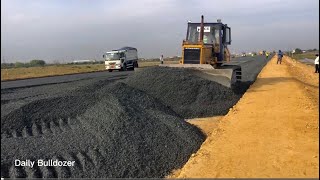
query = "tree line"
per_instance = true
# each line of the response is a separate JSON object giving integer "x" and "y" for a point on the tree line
{"x": 32, "y": 63}
{"x": 300, "y": 51}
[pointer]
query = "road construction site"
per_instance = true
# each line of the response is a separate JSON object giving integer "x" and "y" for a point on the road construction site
{"x": 134, "y": 124}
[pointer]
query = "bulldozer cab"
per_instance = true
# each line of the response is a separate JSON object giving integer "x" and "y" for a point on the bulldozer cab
{"x": 205, "y": 50}
{"x": 213, "y": 33}
{"x": 216, "y": 35}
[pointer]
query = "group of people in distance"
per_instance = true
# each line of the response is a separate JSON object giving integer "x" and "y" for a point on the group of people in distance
{"x": 316, "y": 61}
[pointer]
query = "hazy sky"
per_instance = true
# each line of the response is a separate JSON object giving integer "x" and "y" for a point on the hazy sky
{"x": 83, "y": 29}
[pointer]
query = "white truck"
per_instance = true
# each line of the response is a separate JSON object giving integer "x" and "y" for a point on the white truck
{"x": 122, "y": 59}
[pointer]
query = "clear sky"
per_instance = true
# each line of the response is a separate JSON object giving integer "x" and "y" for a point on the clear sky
{"x": 65, "y": 30}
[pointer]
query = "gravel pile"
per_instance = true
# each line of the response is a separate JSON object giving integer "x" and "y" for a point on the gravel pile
{"x": 47, "y": 105}
{"x": 15, "y": 98}
{"x": 150, "y": 138}
{"x": 188, "y": 95}
{"x": 112, "y": 131}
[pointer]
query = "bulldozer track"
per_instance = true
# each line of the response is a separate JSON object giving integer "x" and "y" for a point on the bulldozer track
{"x": 39, "y": 129}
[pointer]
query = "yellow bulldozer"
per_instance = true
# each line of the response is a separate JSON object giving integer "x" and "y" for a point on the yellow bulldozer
{"x": 205, "y": 49}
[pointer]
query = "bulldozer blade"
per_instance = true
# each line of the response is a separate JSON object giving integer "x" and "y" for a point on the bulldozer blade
{"x": 193, "y": 66}
{"x": 226, "y": 76}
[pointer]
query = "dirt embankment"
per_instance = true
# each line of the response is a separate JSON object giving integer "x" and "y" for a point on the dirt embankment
{"x": 271, "y": 132}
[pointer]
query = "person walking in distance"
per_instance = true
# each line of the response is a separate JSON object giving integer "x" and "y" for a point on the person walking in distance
{"x": 280, "y": 55}
{"x": 316, "y": 63}
{"x": 161, "y": 59}
{"x": 267, "y": 55}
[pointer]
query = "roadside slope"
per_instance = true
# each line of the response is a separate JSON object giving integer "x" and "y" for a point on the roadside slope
{"x": 271, "y": 132}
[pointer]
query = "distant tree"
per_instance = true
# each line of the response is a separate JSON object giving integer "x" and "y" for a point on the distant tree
{"x": 312, "y": 50}
{"x": 19, "y": 64}
{"x": 36, "y": 62}
{"x": 298, "y": 51}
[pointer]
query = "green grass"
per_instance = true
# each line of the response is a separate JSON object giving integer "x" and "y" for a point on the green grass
{"x": 308, "y": 55}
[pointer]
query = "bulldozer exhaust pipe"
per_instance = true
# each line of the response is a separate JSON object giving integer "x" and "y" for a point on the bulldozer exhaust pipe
{"x": 201, "y": 29}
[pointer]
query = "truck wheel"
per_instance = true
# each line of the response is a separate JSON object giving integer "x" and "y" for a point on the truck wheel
{"x": 110, "y": 70}
{"x": 124, "y": 68}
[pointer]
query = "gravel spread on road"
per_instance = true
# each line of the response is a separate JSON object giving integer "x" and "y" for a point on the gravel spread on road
{"x": 188, "y": 95}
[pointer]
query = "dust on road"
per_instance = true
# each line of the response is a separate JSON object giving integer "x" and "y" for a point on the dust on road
{"x": 271, "y": 132}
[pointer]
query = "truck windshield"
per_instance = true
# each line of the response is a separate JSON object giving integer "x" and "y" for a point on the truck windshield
{"x": 112, "y": 56}
{"x": 210, "y": 35}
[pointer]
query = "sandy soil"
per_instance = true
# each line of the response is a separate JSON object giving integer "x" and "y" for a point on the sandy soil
{"x": 207, "y": 125}
{"x": 273, "y": 131}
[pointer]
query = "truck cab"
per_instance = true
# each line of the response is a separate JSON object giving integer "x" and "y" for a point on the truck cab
{"x": 122, "y": 59}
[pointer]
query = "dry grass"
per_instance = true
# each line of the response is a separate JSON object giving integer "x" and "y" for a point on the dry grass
{"x": 31, "y": 72}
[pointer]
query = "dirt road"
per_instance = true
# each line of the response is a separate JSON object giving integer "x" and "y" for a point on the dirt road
{"x": 271, "y": 132}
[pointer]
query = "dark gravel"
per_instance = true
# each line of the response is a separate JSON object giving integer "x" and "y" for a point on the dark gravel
{"x": 109, "y": 129}
{"x": 188, "y": 95}
{"x": 46, "y": 104}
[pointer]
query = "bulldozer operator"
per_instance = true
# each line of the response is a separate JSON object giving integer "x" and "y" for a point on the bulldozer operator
{"x": 210, "y": 37}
